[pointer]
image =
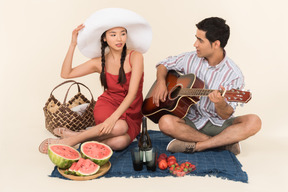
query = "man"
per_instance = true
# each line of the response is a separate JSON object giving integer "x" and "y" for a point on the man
{"x": 210, "y": 122}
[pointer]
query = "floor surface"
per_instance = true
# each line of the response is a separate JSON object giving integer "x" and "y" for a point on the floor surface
{"x": 264, "y": 160}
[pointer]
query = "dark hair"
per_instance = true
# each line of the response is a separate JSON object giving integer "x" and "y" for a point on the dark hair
{"x": 216, "y": 29}
{"x": 122, "y": 76}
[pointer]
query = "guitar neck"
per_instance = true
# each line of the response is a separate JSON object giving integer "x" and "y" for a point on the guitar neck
{"x": 196, "y": 92}
{"x": 233, "y": 95}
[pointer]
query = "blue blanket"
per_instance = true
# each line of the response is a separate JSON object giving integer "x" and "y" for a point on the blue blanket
{"x": 222, "y": 164}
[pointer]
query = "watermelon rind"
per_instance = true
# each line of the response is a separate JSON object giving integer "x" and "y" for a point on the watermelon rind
{"x": 98, "y": 161}
{"x": 59, "y": 161}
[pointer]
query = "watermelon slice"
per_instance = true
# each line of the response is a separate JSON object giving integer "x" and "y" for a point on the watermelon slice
{"x": 88, "y": 168}
{"x": 71, "y": 171}
{"x": 63, "y": 156}
{"x": 84, "y": 167}
{"x": 99, "y": 153}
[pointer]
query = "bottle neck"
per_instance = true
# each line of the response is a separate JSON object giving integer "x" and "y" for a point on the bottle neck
{"x": 144, "y": 142}
{"x": 144, "y": 125}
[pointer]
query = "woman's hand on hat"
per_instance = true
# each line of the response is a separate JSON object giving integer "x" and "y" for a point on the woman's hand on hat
{"x": 75, "y": 34}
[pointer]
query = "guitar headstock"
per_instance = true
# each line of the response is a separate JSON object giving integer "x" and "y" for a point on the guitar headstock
{"x": 235, "y": 95}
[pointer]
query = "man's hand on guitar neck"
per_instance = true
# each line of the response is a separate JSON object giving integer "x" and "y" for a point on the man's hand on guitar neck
{"x": 223, "y": 109}
{"x": 216, "y": 97}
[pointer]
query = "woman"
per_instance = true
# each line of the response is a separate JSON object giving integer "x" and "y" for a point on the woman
{"x": 117, "y": 111}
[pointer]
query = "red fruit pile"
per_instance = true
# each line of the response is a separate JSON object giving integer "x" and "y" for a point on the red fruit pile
{"x": 174, "y": 168}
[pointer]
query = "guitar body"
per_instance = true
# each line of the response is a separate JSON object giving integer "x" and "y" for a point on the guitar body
{"x": 174, "y": 104}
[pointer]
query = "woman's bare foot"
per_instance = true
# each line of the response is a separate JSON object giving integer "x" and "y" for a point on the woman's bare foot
{"x": 43, "y": 147}
{"x": 64, "y": 132}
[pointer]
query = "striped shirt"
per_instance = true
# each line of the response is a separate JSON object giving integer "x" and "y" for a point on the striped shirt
{"x": 226, "y": 73}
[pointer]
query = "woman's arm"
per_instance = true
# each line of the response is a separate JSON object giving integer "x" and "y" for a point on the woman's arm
{"x": 86, "y": 68}
{"x": 136, "y": 75}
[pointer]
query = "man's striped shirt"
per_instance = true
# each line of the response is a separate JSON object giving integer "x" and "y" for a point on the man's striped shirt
{"x": 226, "y": 73}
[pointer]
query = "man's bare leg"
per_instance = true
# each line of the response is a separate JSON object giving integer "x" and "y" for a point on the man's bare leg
{"x": 242, "y": 128}
{"x": 176, "y": 128}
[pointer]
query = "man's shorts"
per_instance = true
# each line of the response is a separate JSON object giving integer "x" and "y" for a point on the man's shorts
{"x": 209, "y": 128}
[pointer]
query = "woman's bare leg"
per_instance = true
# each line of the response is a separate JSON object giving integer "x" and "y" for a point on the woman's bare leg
{"x": 120, "y": 129}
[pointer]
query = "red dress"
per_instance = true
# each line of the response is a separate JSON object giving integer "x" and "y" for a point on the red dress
{"x": 110, "y": 100}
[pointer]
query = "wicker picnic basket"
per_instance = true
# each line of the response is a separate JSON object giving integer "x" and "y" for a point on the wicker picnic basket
{"x": 59, "y": 114}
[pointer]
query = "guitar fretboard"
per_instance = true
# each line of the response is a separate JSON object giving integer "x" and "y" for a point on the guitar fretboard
{"x": 196, "y": 92}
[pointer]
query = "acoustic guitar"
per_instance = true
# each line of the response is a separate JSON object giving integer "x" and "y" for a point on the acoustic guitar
{"x": 183, "y": 92}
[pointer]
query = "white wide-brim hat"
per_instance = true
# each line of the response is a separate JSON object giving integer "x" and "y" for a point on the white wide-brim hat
{"x": 139, "y": 32}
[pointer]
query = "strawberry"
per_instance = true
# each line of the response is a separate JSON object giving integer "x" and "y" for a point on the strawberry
{"x": 171, "y": 169}
{"x": 185, "y": 170}
{"x": 171, "y": 162}
{"x": 162, "y": 156}
{"x": 183, "y": 165}
{"x": 187, "y": 164}
{"x": 192, "y": 167}
{"x": 162, "y": 164}
{"x": 171, "y": 157}
{"x": 175, "y": 165}
{"x": 178, "y": 169}
{"x": 159, "y": 159}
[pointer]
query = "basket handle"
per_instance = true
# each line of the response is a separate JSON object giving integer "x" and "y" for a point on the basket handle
{"x": 68, "y": 81}
{"x": 78, "y": 83}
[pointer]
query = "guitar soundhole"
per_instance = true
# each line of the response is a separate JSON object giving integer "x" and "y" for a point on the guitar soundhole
{"x": 175, "y": 92}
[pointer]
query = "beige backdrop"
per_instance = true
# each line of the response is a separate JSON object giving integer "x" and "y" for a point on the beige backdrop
{"x": 35, "y": 35}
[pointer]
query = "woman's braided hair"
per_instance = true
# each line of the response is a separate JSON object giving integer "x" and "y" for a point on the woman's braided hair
{"x": 122, "y": 76}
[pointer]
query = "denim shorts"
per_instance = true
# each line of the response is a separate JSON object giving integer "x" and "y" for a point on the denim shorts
{"x": 209, "y": 128}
